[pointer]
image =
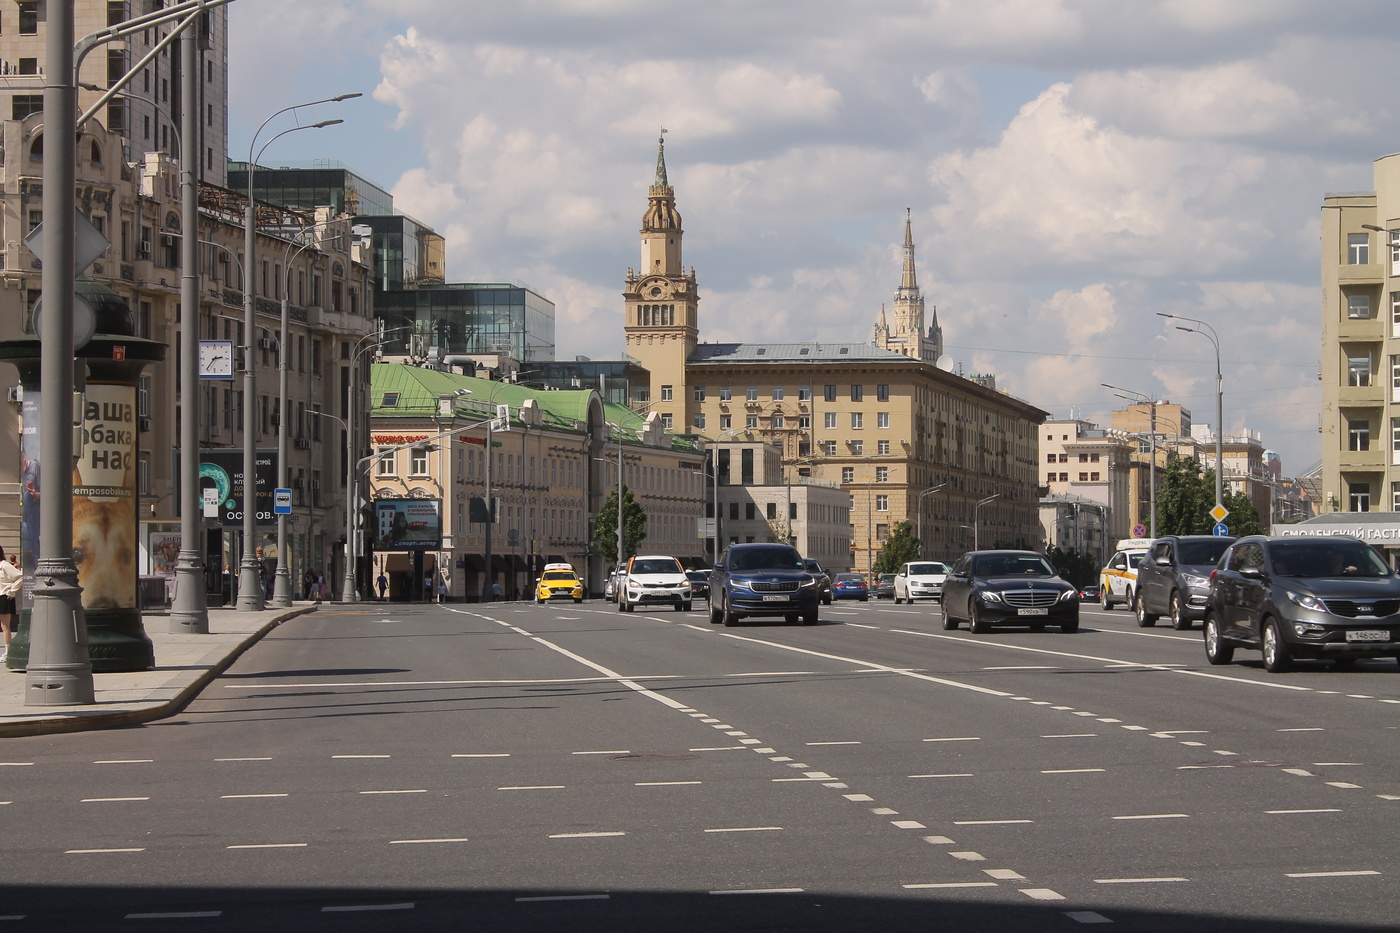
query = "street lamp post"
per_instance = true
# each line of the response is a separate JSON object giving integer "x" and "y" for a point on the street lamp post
{"x": 250, "y": 592}
{"x": 1210, "y": 334}
{"x": 1145, "y": 399}
{"x": 347, "y": 584}
{"x": 976, "y": 520}
{"x": 926, "y": 492}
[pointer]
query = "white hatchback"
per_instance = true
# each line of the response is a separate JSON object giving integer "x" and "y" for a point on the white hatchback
{"x": 920, "y": 579}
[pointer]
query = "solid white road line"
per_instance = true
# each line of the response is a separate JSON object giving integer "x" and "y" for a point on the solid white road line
{"x": 1153, "y": 816}
{"x": 413, "y": 842}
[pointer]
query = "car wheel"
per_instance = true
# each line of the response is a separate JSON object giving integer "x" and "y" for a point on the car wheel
{"x": 728, "y": 616}
{"x": 975, "y": 623}
{"x": 1277, "y": 658}
{"x": 1070, "y": 626}
{"x": 687, "y": 606}
{"x": 1105, "y": 602}
{"x": 715, "y": 617}
{"x": 1217, "y": 652}
{"x": 809, "y": 617}
{"x": 1145, "y": 619}
{"x": 897, "y": 600}
{"x": 949, "y": 623}
{"x": 621, "y": 605}
{"x": 1177, "y": 612}
{"x": 826, "y": 600}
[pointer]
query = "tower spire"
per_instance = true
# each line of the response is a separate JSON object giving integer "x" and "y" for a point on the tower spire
{"x": 908, "y": 281}
{"x": 661, "y": 181}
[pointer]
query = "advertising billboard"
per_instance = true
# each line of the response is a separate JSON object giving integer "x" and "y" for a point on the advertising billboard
{"x": 407, "y": 524}
{"x": 221, "y": 476}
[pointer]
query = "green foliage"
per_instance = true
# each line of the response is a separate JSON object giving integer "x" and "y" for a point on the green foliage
{"x": 1075, "y": 567}
{"x": 1244, "y": 517}
{"x": 634, "y": 527}
{"x": 899, "y": 548}
{"x": 1185, "y": 496}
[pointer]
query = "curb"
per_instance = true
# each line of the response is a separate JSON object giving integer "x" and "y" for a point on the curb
{"x": 180, "y": 690}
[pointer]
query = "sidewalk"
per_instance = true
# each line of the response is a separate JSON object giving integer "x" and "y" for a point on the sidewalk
{"x": 184, "y": 664}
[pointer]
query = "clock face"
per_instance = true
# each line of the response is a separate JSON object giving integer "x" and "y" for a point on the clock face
{"x": 216, "y": 359}
{"x": 656, "y": 292}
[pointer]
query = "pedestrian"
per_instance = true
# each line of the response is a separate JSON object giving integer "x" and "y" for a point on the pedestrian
{"x": 319, "y": 587}
{"x": 441, "y": 590}
{"x": 11, "y": 579}
{"x": 427, "y": 587}
{"x": 308, "y": 580}
{"x": 383, "y": 582}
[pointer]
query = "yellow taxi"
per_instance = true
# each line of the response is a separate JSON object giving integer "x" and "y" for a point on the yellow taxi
{"x": 559, "y": 581}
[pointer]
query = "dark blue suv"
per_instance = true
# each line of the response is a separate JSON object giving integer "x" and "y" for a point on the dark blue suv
{"x": 762, "y": 580}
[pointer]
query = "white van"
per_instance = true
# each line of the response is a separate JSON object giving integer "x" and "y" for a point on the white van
{"x": 1118, "y": 580}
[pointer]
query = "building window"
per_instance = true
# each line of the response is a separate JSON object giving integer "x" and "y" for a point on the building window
{"x": 726, "y": 422}
{"x": 700, "y": 419}
{"x": 1049, "y": 458}
{"x": 858, "y": 448}
{"x": 1358, "y": 435}
{"x": 857, "y": 393}
{"x": 1358, "y": 249}
{"x": 1395, "y": 497}
{"x": 116, "y": 116}
{"x": 417, "y": 460}
{"x": 699, "y": 393}
{"x": 750, "y": 511}
{"x": 1093, "y": 477}
{"x": 1359, "y": 497}
{"x": 882, "y": 419}
{"x": 882, "y": 532}
{"x": 1049, "y": 477}
{"x": 848, "y": 474}
{"x": 1084, "y": 477}
{"x": 882, "y": 474}
{"x": 1093, "y": 458}
{"x": 22, "y": 105}
{"x": 1359, "y": 370}
{"x": 725, "y": 393}
{"x": 882, "y": 503}
{"x": 751, "y": 422}
{"x": 1359, "y": 307}
{"x": 777, "y": 393}
{"x": 857, "y": 421}
{"x": 384, "y": 466}
{"x": 804, "y": 422}
{"x": 751, "y": 394}
{"x": 779, "y": 422}
{"x": 1064, "y": 477}
{"x": 667, "y": 394}
{"x": 804, "y": 395}
{"x": 830, "y": 420}
{"x": 829, "y": 392}
{"x": 829, "y": 448}
{"x": 666, "y": 420}
{"x": 882, "y": 447}
{"x": 29, "y": 19}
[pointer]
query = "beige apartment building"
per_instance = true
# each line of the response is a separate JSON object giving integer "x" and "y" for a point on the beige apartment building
{"x": 1089, "y": 501}
{"x": 907, "y": 438}
{"x": 1361, "y": 346}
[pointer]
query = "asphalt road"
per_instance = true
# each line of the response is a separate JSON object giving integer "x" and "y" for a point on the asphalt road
{"x": 512, "y": 767}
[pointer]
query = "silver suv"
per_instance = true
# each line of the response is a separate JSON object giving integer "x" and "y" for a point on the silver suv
{"x": 1173, "y": 580}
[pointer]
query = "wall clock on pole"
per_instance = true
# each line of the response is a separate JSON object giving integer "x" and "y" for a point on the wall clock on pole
{"x": 216, "y": 359}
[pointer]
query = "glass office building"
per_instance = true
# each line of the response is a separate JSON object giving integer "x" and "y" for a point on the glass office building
{"x": 462, "y": 319}
{"x": 327, "y": 184}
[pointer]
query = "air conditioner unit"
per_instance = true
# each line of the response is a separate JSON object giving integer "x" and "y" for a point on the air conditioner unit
{"x": 144, "y": 248}
{"x": 143, "y": 424}
{"x": 297, "y": 483}
{"x": 266, "y": 343}
{"x": 303, "y": 443}
{"x": 15, "y": 393}
{"x": 315, "y": 485}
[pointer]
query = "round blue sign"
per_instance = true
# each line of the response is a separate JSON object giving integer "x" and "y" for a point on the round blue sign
{"x": 1220, "y": 530}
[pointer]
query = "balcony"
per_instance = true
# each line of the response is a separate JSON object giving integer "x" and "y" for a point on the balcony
{"x": 1372, "y": 273}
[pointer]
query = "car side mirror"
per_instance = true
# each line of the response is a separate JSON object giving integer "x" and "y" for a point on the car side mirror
{"x": 719, "y": 566}
{"x": 1252, "y": 573}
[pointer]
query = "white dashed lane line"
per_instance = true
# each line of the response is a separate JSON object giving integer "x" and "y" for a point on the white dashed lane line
{"x": 744, "y": 829}
{"x": 250, "y": 796}
{"x": 111, "y": 799}
{"x": 1153, "y": 816}
{"x": 412, "y": 842}
{"x": 482, "y": 755}
{"x": 1289, "y": 812}
{"x": 1328, "y": 874}
{"x": 534, "y": 787}
{"x": 100, "y": 851}
{"x": 1075, "y": 771}
{"x": 360, "y": 908}
{"x": 177, "y": 915}
{"x": 951, "y": 884}
{"x": 965, "y": 738}
{"x": 540, "y": 898}
{"x": 760, "y": 891}
{"x": 1137, "y": 880}
{"x": 939, "y": 775}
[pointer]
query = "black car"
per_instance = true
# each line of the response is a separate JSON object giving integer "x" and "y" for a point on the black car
{"x": 823, "y": 580}
{"x": 762, "y": 580}
{"x": 699, "y": 583}
{"x": 1173, "y": 580}
{"x": 1302, "y": 597}
{"x": 986, "y": 588}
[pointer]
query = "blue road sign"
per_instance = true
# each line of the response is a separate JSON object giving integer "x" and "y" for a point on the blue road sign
{"x": 1220, "y": 529}
{"x": 281, "y": 502}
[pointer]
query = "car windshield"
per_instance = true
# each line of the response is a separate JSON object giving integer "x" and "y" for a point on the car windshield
{"x": 1135, "y": 558}
{"x": 656, "y": 565}
{"x": 1326, "y": 559}
{"x": 700, "y": 576}
{"x": 916, "y": 570}
{"x": 1012, "y": 565}
{"x": 1202, "y": 552}
{"x": 559, "y": 575}
{"x": 886, "y": 578}
{"x": 766, "y": 558}
{"x": 849, "y": 578}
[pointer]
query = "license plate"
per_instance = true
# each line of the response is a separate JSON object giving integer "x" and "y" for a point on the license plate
{"x": 1368, "y": 635}
{"x": 1032, "y": 612}
{"x": 774, "y": 599}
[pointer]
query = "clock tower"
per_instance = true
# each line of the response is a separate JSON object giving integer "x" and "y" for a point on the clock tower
{"x": 661, "y": 303}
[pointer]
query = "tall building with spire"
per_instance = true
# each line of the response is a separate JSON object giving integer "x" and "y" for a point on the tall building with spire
{"x": 661, "y": 301}
{"x": 906, "y": 334}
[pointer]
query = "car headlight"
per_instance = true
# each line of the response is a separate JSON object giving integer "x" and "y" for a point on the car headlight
{"x": 740, "y": 585}
{"x": 1307, "y": 602}
{"x": 810, "y": 581}
{"x": 1192, "y": 580}
{"x": 991, "y": 596}
{"x": 1069, "y": 596}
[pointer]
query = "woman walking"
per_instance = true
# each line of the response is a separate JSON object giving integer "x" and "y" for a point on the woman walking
{"x": 11, "y": 579}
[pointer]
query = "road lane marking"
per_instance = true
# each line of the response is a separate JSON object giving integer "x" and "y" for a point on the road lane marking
{"x": 272, "y": 845}
{"x": 1299, "y": 771}
{"x": 1073, "y": 735}
{"x": 907, "y": 824}
{"x": 858, "y": 798}
{"x": 968, "y": 856}
{"x": 1086, "y": 916}
{"x": 1343, "y": 784}
{"x": 1074, "y": 771}
{"x": 1336, "y": 764}
{"x": 988, "y": 822}
{"x": 760, "y": 891}
{"x": 125, "y": 761}
{"x": 1024, "y": 667}
{"x": 1136, "y": 880}
{"x": 17, "y": 764}
{"x": 724, "y": 748}
{"x": 562, "y": 897}
{"x": 176, "y": 915}
{"x": 938, "y": 840}
{"x": 1004, "y": 874}
{"x": 1328, "y": 810}
{"x": 423, "y": 791}
{"x": 99, "y": 851}
{"x": 744, "y": 829}
{"x": 533, "y": 787}
{"x": 966, "y": 738}
{"x": 773, "y": 673}
{"x": 111, "y": 799}
{"x": 1328, "y": 874}
{"x": 242, "y": 759}
{"x": 482, "y": 755}
{"x": 610, "y": 751}
{"x": 1042, "y": 894}
{"x": 832, "y": 743}
{"x": 663, "y": 783}
{"x": 249, "y": 796}
{"x": 1153, "y": 816}
{"x": 953, "y": 884}
{"x": 884, "y": 811}
{"x": 357, "y": 908}
{"x": 939, "y": 775}
{"x": 359, "y": 756}
{"x": 1305, "y": 729}
{"x": 417, "y": 842}
{"x": 585, "y": 835}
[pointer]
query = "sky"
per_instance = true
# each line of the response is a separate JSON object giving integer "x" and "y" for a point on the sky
{"x": 1073, "y": 168}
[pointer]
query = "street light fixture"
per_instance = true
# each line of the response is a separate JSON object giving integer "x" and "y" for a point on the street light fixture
{"x": 250, "y": 593}
{"x": 1145, "y": 399}
{"x": 1209, "y": 334}
{"x": 920, "y": 505}
{"x": 347, "y": 584}
{"x": 976, "y": 520}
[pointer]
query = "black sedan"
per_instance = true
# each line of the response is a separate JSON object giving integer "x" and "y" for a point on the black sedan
{"x": 699, "y": 583}
{"x": 986, "y": 588}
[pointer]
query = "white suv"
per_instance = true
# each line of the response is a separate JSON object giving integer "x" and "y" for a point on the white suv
{"x": 920, "y": 579}
{"x": 652, "y": 580}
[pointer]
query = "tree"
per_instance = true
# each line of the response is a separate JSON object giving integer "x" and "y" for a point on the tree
{"x": 634, "y": 527}
{"x": 1185, "y": 496}
{"x": 1075, "y": 567}
{"x": 899, "y": 548}
{"x": 1244, "y": 517}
